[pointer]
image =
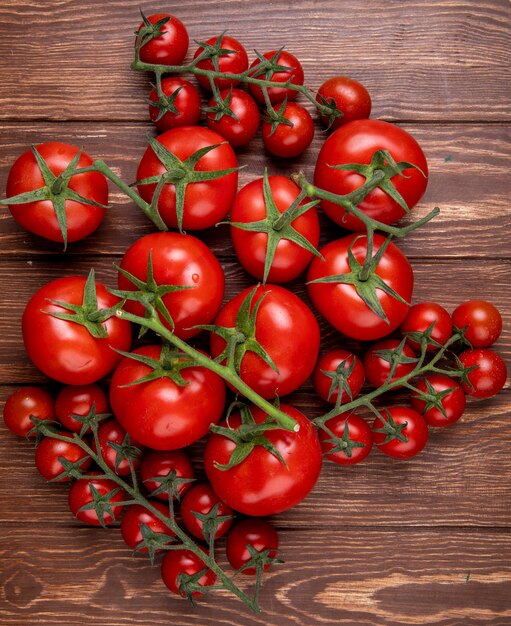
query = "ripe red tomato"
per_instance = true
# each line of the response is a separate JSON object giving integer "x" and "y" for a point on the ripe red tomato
{"x": 233, "y": 62}
{"x": 453, "y": 403}
{"x": 39, "y": 217}
{"x": 178, "y": 94}
{"x": 240, "y": 129}
{"x": 349, "y": 96}
{"x": 290, "y": 258}
{"x": 180, "y": 260}
{"x": 285, "y": 328}
{"x": 24, "y": 403}
{"x": 65, "y": 350}
{"x": 294, "y": 75}
{"x": 159, "y": 413}
{"x": 328, "y": 384}
{"x": 341, "y": 304}
{"x": 406, "y": 432}
{"x": 162, "y": 463}
{"x": 258, "y": 534}
{"x": 356, "y": 436}
{"x": 356, "y": 142}
{"x": 177, "y": 563}
{"x": 289, "y": 141}
{"x": 377, "y": 367}
{"x": 48, "y": 452}
{"x": 75, "y": 400}
{"x": 420, "y": 317}
{"x": 261, "y": 484}
{"x": 81, "y": 495}
{"x": 201, "y": 499}
{"x": 483, "y": 322}
{"x": 490, "y": 375}
{"x": 136, "y": 515}
{"x": 169, "y": 46}
{"x": 112, "y": 432}
{"x": 205, "y": 202}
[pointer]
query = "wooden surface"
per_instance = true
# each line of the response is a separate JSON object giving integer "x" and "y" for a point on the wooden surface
{"x": 425, "y": 541}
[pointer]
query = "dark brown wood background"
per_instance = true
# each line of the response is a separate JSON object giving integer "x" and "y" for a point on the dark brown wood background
{"x": 425, "y": 541}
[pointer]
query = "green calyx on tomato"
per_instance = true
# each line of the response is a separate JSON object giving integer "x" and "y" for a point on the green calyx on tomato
{"x": 396, "y": 357}
{"x": 276, "y": 117}
{"x": 150, "y": 31}
{"x": 329, "y": 109}
{"x": 152, "y": 542}
{"x": 73, "y": 470}
{"x": 171, "y": 484}
{"x": 269, "y": 67}
{"x": 342, "y": 444}
{"x": 101, "y": 504}
{"x": 211, "y": 521}
{"x": 339, "y": 378}
{"x": 433, "y": 398}
{"x": 222, "y": 106}
{"x": 91, "y": 421}
{"x": 213, "y": 51}
{"x": 390, "y": 429}
{"x": 165, "y": 104}
{"x": 125, "y": 452}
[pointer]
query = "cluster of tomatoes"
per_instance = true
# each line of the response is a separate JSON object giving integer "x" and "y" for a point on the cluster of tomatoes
{"x": 163, "y": 398}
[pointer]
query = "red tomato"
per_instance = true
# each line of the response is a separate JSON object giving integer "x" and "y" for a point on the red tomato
{"x": 200, "y": 500}
{"x": 233, "y": 62}
{"x": 489, "y": 376}
{"x": 289, "y": 141}
{"x": 179, "y": 260}
{"x": 162, "y": 463}
{"x": 135, "y": 516}
{"x": 286, "y": 329}
{"x": 349, "y": 96}
{"x": 357, "y": 142}
{"x": 50, "y": 450}
{"x": 39, "y": 217}
{"x": 178, "y": 94}
{"x": 420, "y": 317}
{"x": 258, "y": 534}
{"x": 169, "y": 46}
{"x": 81, "y": 495}
{"x": 341, "y": 304}
{"x": 237, "y": 130}
{"x": 293, "y": 74}
{"x": 328, "y": 384}
{"x": 483, "y": 322}
{"x": 178, "y": 562}
{"x": 377, "y": 367}
{"x": 290, "y": 258}
{"x": 406, "y": 432}
{"x": 205, "y": 202}
{"x": 65, "y": 350}
{"x": 453, "y": 403}
{"x": 24, "y": 403}
{"x": 75, "y": 400}
{"x": 356, "y": 436}
{"x": 112, "y": 432}
{"x": 159, "y": 413}
{"x": 261, "y": 484}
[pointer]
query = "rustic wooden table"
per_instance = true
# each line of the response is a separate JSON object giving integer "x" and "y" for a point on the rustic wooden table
{"x": 425, "y": 541}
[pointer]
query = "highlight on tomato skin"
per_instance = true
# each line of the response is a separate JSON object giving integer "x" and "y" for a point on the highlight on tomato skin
{"x": 26, "y": 402}
{"x": 481, "y": 321}
{"x": 488, "y": 376}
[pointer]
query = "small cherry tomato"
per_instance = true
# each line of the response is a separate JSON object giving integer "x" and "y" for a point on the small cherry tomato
{"x": 349, "y": 96}
{"x": 420, "y": 317}
{"x": 199, "y": 501}
{"x": 233, "y": 60}
{"x": 240, "y": 129}
{"x": 483, "y": 322}
{"x": 24, "y": 403}
{"x": 258, "y": 534}
{"x": 158, "y": 463}
{"x": 170, "y": 43}
{"x": 488, "y": 378}
{"x": 78, "y": 400}
{"x": 380, "y": 358}
{"x": 289, "y": 140}
{"x": 437, "y": 386}
{"x": 135, "y": 516}
{"x": 50, "y": 450}
{"x": 179, "y": 563}
{"x": 111, "y": 432}
{"x": 355, "y": 439}
{"x": 338, "y": 371}
{"x": 292, "y": 74}
{"x": 180, "y": 105}
{"x": 400, "y": 432}
{"x": 81, "y": 495}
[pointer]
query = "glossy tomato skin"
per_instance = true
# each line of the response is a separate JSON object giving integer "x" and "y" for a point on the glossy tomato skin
{"x": 207, "y": 202}
{"x": 358, "y": 430}
{"x": 178, "y": 562}
{"x": 235, "y": 62}
{"x": 261, "y": 484}
{"x": 201, "y": 498}
{"x": 254, "y": 532}
{"x": 290, "y": 259}
{"x": 23, "y": 403}
{"x": 292, "y": 75}
{"x": 378, "y": 369}
{"x": 490, "y": 375}
{"x": 64, "y": 350}
{"x": 135, "y": 516}
{"x": 240, "y": 131}
{"x": 159, "y": 413}
{"x": 39, "y": 217}
{"x": 483, "y": 322}
{"x": 329, "y": 362}
{"x": 78, "y": 400}
{"x": 80, "y": 495}
{"x": 350, "y": 97}
{"x": 48, "y": 452}
{"x": 187, "y": 102}
{"x": 170, "y": 47}
{"x": 453, "y": 403}
{"x": 342, "y": 306}
{"x": 181, "y": 260}
{"x": 420, "y": 317}
{"x": 289, "y": 141}
{"x": 112, "y": 432}
{"x": 161, "y": 463}
{"x": 416, "y": 432}
{"x": 288, "y": 331}
{"x": 356, "y": 142}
